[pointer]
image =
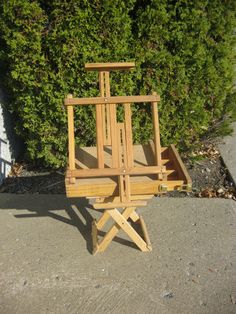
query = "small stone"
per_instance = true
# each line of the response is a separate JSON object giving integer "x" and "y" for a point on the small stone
{"x": 233, "y": 298}
{"x": 187, "y": 272}
{"x": 220, "y": 190}
{"x": 191, "y": 264}
{"x": 194, "y": 224}
{"x": 24, "y": 282}
{"x": 208, "y": 170}
{"x": 202, "y": 303}
{"x": 167, "y": 295}
{"x": 57, "y": 277}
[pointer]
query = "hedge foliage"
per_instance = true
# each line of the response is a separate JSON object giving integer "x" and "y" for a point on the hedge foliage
{"x": 184, "y": 50}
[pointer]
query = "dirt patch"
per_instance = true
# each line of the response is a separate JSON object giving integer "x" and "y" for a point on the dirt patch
{"x": 34, "y": 181}
{"x": 209, "y": 175}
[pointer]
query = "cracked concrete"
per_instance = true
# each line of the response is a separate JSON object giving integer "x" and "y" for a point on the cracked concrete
{"x": 46, "y": 265}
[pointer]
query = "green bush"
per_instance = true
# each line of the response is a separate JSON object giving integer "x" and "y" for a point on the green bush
{"x": 183, "y": 50}
{"x": 186, "y": 54}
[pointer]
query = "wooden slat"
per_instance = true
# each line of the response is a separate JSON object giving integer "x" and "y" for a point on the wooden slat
{"x": 100, "y": 140}
{"x": 145, "y": 233}
{"x": 109, "y": 66}
{"x": 156, "y": 131}
{"x": 170, "y": 171}
{"x": 111, "y": 100}
{"x": 140, "y": 197}
{"x": 128, "y": 136}
{"x": 164, "y": 161}
{"x": 120, "y": 150}
{"x": 116, "y": 199}
{"x": 127, "y": 161}
{"x": 107, "y": 111}
{"x": 134, "y": 236}
{"x": 104, "y": 189}
{"x": 119, "y": 205}
{"x": 71, "y": 138}
{"x": 179, "y": 166}
{"x": 106, "y": 172}
{"x": 127, "y": 188}
{"x": 114, "y": 136}
{"x": 102, "y": 94}
{"x": 114, "y": 230}
{"x": 102, "y": 220}
{"x": 121, "y": 177}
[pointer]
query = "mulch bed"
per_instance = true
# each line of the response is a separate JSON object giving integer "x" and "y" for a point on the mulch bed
{"x": 209, "y": 174}
{"x": 205, "y": 166}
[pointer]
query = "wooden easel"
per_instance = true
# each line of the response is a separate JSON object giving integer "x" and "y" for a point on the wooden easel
{"x": 118, "y": 174}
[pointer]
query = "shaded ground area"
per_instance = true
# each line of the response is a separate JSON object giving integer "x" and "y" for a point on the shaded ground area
{"x": 46, "y": 265}
{"x": 34, "y": 181}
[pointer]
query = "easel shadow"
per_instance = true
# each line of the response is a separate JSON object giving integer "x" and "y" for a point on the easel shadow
{"x": 78, "y": 211}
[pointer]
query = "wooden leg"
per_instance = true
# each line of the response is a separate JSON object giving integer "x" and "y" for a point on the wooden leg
{"x": 103, "y": 219}
{"x": 94, "y": 237}
{"x": 120, "y": 222}
{"x": 114, "y": 230}
{"x": 145, "y": 233}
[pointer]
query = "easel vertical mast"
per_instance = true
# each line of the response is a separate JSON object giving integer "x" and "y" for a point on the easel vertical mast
{"x": 107, "y": 108}
{"x": 71, "y": 138}
{"x": 156, "y": 131}
{"x": 99, "y": 126}
{"x": 104, "y": 88}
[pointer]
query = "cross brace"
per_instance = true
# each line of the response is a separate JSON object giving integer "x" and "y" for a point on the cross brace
{"x": 120, "y": 222}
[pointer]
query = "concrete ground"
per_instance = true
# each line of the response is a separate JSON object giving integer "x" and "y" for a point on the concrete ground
{"x": 46, "y": 264}
{"x": 228, "y": 152}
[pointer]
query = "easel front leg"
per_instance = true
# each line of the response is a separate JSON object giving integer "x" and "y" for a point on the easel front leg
{"x": 123, "y": 224}
{"x": 114, "y": 229}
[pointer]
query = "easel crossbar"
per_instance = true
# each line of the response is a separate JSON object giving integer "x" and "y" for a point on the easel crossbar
{"x": 90, "y": 173}
{"x": 110, "y": 100}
